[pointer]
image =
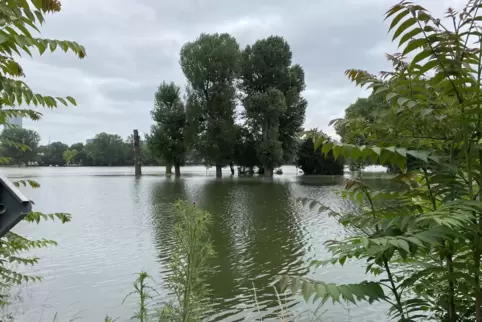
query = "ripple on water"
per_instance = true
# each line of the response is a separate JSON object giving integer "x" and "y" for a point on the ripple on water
{"x": 122, "y": 225}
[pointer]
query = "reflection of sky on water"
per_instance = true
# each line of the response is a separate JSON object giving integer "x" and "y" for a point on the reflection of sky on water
{"x": 122, "y": 225}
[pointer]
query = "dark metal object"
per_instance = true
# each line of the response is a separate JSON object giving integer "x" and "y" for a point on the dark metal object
{"x": 137, "y": 154}
{"x": 14, "y": 206}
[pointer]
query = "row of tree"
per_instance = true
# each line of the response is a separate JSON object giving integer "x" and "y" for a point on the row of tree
{"x": 259, "y": 79}
{"x": 110, "y": 150}
{"x": 104, "y": 150}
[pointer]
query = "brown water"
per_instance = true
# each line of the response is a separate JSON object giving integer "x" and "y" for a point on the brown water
{"x": 122, "y": 225}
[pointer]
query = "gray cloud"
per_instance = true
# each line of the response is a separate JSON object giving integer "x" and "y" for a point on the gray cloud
{"x": 133, "y": 46}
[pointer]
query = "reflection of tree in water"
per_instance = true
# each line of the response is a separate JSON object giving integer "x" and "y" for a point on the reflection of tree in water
{"x": 256, "y": 237}
{"x": 215, "y": 196}
{"x": 275, "y": 245}
{"x": 255, "y": 234}
{"x": 163, "y": 194}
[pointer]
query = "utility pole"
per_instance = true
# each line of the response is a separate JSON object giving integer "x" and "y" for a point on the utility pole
{"x": 137, "y": 154}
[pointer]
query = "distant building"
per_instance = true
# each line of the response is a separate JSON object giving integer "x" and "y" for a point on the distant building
{"x": 17, "y": 120}
{"x": 89, "y": 141}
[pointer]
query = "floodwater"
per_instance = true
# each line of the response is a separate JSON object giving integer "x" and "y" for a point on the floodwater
{"x": 122, "y": 225}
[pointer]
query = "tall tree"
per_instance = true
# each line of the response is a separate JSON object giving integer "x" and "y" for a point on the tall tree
{"x": 19, "y": 144}
{"x": 81, "y": 157}
{"x": 274, "y": 107}
{"x": 211, "y": 64}
{"x": 53, "y": 154}
{"x": 107, "y": 149}
{"x": 69, "y": 155}
{"x": 167, "y": 135}
{"x": 315, "y": 162}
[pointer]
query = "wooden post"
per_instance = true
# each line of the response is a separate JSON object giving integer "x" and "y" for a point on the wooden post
{"x": 137, "y": 154}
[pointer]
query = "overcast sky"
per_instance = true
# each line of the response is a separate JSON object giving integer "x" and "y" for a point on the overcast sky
{"x": 133, "y": 45}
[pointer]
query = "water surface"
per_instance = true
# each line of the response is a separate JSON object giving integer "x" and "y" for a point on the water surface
{"x": 122, "y": 225}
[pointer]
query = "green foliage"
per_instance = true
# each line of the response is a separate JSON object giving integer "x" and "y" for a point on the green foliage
{"x": 422, "y": 243}
{"x": 19, "y": 144}
{"x": 360, "y": 122}
{"x": 18, "y": 20}
{"x": 188, "y": 269}
{"x": 245, "y": 154}
{"x": 53, "y": 154}
{"x": 211, "y": 64}
{"x": 274, "y": 108}
{"x": 69, "y": 155}
{"x": 312, "y": 161}
{"x": 106, "y": 149}
{"x": 189, "y": 263}
{"x": 143, "y": 291}
{"x": 166, "y": 139}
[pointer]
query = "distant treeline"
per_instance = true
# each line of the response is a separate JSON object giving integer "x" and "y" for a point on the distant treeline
{"x": 104, "y": 150}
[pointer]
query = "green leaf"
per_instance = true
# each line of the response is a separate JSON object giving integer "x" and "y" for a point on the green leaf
{"x": 420, "y": 155}
{"x": 404, "y": 26}
{"x": 52, "y": 45}
{"x": 327, "y": 147}
{"x": 61, "y": 100}
{"x": 333, "y": 291}
{"x": 402, "y": 100}
{"x": 295, "y": 285}
{"x": 428, "y": 66}
{"x": 391, "y": 96}
{"x": 397, "y": 18}
{"x": 337, "y": 151}
{"x": 307, "y": 290}
{"x": 409, "y": 35}
{"x": 414, "y": 44}
{"x": 420, "y": 56}
{"x": 319, "y": 141}
{"x": 71, "y": 100}
{"x": 3, "y": 39}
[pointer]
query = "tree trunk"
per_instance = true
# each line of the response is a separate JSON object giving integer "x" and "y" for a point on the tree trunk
{"x": 219, "y": 171}
{"x": 177, "y": 170}
{"x": 268, "y": 172}
{"x": 137, "y": 154}
{"x": 168, "y": 169}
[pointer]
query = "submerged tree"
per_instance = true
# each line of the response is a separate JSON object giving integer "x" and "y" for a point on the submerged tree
{"x": 107, "y": 149}
{"x": 274, "y": 108}
{"x": 167, "y": 135}
{"x": 312, "y": 161}
{"x": 210, "y": 65}
{"x": 423, "y": 242}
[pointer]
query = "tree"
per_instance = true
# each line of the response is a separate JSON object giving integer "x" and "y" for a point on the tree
{"x": 210, "y": 64}
{"x": 147, "y": 158}
{"x": 20, "y": 19}
{"x": 107, "y": 149}
{"x": 245, "y": 154}
{"x": 274, "y": 108}
{"x": 69, "y": 155}
{"x": 81, "y": 157}
{"x": 312, "y": 161}
{"x": 53, "y": 154}
{"x": 422, "y": 243}
{"x": 361, "y": 117}
{"x": 167, "y": 135}
{"x": 21, "y": 145}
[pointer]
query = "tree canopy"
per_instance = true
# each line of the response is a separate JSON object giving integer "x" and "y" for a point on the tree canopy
{"x": 314, "y": 162}
{"x": 211, "y": 64}
{"x": 166, "y": 139}
{"x": 274, "y": 108}
{"x": 21, "y": 145}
